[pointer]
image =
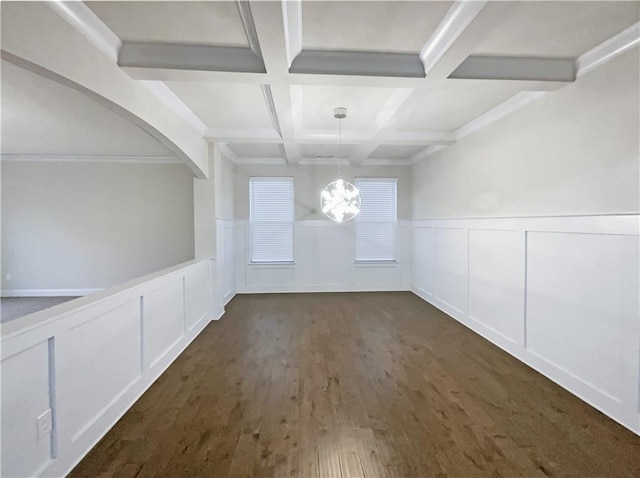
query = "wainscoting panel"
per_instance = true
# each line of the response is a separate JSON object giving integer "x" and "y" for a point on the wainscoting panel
{"x": 559, "y": 293}
{"x": 25, "y": 396}
{"x": 226, "y": 253}
{"x": 581, "y": 315}
{"x": 451, "y": 268}
{"x": 105, "y": 346}
{"x": 163, "y": 321}
{"x": 197, "y": 290}
{"x": 324, "y": 262}
{"x": 496, "y": 282}
{"x": 89, "y": 360}
{"x": 423, "y": 253}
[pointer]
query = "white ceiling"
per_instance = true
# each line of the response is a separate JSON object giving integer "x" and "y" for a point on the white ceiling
{"x": 370, "y": 26}
{"x": 41, "y": 117}
{"x": 208, "y": 23}
{"x": 278, "y": 114}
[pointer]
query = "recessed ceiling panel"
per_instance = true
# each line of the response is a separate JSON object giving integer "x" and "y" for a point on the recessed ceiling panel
{"x": 391, "y": 26}
{"x": 557, "y": 29}
{"x": 209, "y": 23}
{"x": 224, "y": 105}
{"x": 256, "y": 150}
{"x": 41, "y": 117}
{"x": 318, "y": 102}
{"x": 452, "y": 104}
{"x": 388, "y": 151}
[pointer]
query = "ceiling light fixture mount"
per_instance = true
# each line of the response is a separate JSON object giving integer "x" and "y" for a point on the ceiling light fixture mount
{"x": 340, "y": 200}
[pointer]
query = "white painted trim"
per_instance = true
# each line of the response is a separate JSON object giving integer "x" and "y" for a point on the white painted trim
{"x": 275, "y": 160}
{"x": 503, "y": 109}
{"x": 292, "y": 21}
{"x": 601, "y": 54}
{"x": 271, "y": 107}
{"x": 46, "y": 158}
{"x": 170, "y": 99}
{"x": 608, "y": 50}
{"x": 226, "y": 152}
{"x": 454, "y": 23}
{"x": 387, "y": 162}
{"x": 89, "y": 25}
{"x": 228, "y": 296}
{"x": 244, "y": 10}
{"x": 47, "y": 292}
{"x": 324, "y": 161}
{"x": 304, "y": 288}
{"x": 243, "y": 135}
{"x": 426, "y": 152}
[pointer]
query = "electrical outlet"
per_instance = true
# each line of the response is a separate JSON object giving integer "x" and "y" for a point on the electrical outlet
{"x": 8, "y": 276}
{"x": 44, "y": 424}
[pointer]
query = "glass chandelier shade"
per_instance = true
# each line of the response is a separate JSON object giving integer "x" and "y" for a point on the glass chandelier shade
{"x": 340, "y": 201}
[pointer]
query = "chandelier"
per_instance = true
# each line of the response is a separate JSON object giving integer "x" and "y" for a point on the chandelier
{"x": 340, "y": 200}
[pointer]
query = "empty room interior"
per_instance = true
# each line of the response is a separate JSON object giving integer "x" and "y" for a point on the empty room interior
{"x": 320, "y": 239}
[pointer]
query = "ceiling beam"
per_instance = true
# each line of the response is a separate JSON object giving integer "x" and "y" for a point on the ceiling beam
{"x": 383, "y": 121}
{"x": 267, "y": 136}
{"x": 486, "y": 67}
{"x": 454, "y": 23}
{"x": 361, "y": 63}
{"x": 189, "y": 57}
{"x": 292, "y": 19}
{"x": 244, "y": 10}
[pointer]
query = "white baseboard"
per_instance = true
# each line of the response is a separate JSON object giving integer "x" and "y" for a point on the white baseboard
{"x": 48, "y": 292}
{"x": 228, "y": 296}
{"x": 302, "y": 289}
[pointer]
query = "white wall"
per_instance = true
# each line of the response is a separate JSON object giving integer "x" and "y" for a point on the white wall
{"x": 226, "y": 247}
{"x": 310, "y": 180}
{"x": 69, "y": 227}
{"x": 556, "y": 283}
{"x": 323, "y": 250}
{"x": 80, "y": 365}
{"x": 573, "y": 151}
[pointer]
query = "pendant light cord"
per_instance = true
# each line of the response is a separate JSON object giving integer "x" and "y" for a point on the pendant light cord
{"x": 340, "y": 149}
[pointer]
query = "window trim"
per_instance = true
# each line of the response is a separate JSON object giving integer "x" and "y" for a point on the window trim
{"x": 378, "y": 262}
{"x": 283, "y": 264}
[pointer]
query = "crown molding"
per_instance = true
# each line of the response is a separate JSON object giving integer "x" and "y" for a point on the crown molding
{"x": 276, "y": 160}
{"x": 387, "y": 162}
{"x": 608, "y": 50}
{"x": 173, "y": 101}
{"x": 50, "y": 158}
{"x": 324, "y": 161}
{"x": 503, "y": 109}
{"x": 454, "y": 23}
{"x": 80, "y": 16}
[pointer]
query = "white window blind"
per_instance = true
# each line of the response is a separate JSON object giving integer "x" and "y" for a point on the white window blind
{"x": 376, "y": 223}
{"x": 271, "y": 219}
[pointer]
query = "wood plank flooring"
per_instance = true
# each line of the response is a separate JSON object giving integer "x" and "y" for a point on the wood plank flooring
{"x": 350, "y": 385}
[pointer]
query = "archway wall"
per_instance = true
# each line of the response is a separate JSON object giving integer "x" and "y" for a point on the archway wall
{"x": 35, "y": 37}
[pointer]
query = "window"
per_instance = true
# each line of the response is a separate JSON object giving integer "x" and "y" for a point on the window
{"x": 376, "y": 223}
{"x": 271, "y": 219}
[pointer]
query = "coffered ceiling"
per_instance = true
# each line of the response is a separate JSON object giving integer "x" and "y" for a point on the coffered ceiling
{"x": 262, "y": 78}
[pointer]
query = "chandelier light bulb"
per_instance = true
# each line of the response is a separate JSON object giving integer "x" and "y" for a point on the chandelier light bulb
{"x": 340, "y": 201}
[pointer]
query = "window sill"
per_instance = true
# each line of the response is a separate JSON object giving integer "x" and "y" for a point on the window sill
{"x": 271, "y": 265}
{"x": 376, "y": 263}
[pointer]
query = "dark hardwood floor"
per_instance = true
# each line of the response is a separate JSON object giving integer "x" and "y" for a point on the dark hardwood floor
{"x": 355, "y": 384}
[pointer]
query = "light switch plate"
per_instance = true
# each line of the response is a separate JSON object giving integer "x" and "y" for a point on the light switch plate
{"x": 44, "y": 424}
